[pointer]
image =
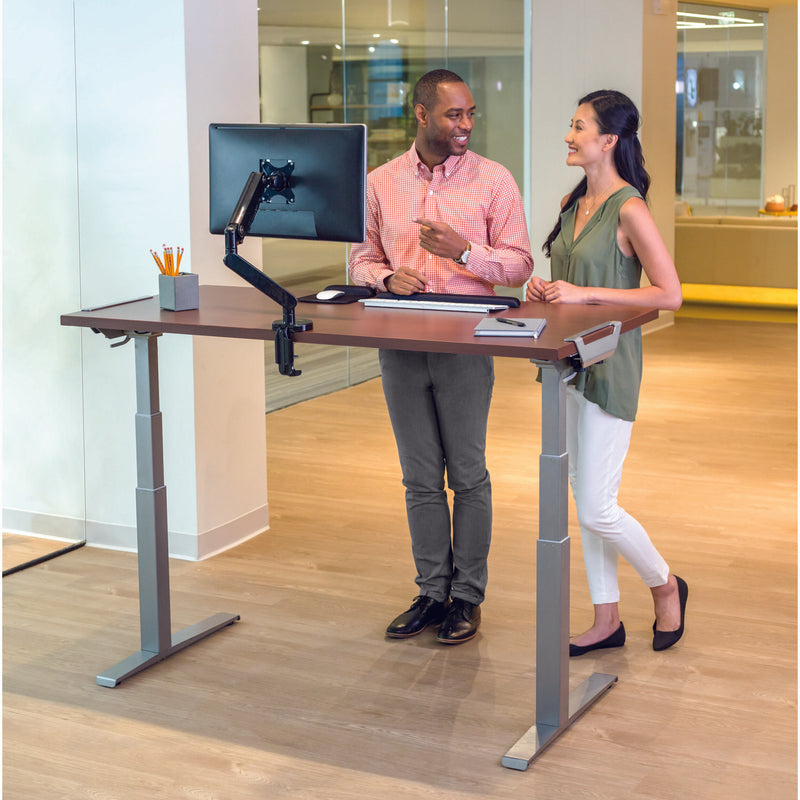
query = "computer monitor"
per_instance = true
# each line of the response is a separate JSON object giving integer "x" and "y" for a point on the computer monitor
{"x": 315, "y": 178}
{"x": 296, "y": 181}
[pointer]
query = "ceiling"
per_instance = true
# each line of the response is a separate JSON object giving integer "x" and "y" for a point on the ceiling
{"x": 413, "y": 22}
{"x": 375, "y": 14}
{"x": 370, "y": 13}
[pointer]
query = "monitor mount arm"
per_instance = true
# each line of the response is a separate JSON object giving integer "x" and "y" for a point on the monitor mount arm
{"x": 259, "y": 185}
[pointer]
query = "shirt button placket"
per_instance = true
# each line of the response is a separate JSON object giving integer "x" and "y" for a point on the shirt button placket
{"x": 430, "y": 207}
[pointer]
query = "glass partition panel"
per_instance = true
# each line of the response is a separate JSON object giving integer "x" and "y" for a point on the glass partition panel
{"x": 391, "y": 45}
{"x": 43, "y": 437}
{"x": 720, "y": 103}
{"x": 357, "y": 61}
{"x": 298, "y": 74}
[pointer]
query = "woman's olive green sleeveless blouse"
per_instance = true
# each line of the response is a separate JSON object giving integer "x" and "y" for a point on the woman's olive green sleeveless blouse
{"x": 594, "y": 259}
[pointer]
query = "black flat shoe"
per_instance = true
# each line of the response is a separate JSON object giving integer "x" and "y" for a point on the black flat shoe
{"x": 617, "y": 639}
{"x": 665, "y": 639}
{"x": 424, "y": 611}
{"x": 461, "y": 623}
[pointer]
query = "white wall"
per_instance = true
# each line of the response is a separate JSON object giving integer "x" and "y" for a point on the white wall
{"x": 105, "y": 157}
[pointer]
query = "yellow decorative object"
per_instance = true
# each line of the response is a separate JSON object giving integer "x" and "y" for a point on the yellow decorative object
{"x": 765, "y": 296}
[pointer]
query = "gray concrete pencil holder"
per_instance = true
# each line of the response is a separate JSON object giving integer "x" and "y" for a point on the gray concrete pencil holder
{"x": 179, "y": 292}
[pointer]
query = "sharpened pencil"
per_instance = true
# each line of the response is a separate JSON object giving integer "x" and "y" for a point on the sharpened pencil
{"x": 160, "y": 266}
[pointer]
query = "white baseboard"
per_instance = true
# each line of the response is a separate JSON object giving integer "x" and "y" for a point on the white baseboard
{"x": 110, "y": 536}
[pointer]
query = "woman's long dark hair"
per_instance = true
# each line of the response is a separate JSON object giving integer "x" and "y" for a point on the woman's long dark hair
{"x": 616, "y": 114}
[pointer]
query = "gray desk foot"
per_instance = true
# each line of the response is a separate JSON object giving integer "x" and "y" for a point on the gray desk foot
{"x": 143, "y": 659}
{"x": 531, "y": 745}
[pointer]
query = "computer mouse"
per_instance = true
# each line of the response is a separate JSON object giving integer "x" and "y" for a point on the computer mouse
{"x": 329, "y": 294}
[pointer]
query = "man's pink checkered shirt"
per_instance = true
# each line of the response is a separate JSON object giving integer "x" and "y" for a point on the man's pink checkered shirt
{"x": 476, "y": 197}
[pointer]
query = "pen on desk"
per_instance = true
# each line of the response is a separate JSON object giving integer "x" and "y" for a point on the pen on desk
{"x": 511, "y": 321}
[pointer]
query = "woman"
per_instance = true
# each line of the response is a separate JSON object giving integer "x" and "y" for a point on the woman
{"x": 603, "y": 238}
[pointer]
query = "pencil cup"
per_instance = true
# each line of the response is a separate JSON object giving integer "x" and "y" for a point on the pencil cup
{"x": 179, "y": 292}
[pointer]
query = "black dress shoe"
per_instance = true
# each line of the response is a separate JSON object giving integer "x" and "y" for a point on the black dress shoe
{"x": 461, "y": 622}
{"x": 665, "y": 639}
{"x": 424, "y": 611}
{"x": 617, "y": 639}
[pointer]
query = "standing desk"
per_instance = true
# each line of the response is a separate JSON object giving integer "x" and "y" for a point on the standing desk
{"x": 575, "y": 335}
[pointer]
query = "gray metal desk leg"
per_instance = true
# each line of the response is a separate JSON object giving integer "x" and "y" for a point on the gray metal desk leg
{"x": 556, "y": 707}
{"x": 157, "y": 640}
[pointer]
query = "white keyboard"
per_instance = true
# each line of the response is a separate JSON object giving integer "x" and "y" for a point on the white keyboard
{"x": 432, "y": 305}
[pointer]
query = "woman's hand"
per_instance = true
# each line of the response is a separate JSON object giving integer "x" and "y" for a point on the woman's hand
{"x": 535, "y": 289}
{"x": 541, "y": 291}
{"x": 563, "y": 292}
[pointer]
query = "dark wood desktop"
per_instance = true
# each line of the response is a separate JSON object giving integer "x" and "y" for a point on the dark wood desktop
{"x": 244, "y": 313}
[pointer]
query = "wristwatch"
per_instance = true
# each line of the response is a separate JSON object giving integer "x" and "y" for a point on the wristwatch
{"x": 462, "y": 259}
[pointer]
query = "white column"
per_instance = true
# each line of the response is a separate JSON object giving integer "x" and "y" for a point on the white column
{"x": 577, "y": 47}
{"x": 780, "y": 128}
{"x": 659, "y": 73}
{"x": 658, "y": 134}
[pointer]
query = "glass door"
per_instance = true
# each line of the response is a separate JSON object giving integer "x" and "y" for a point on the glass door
{"x": 357, "y": 61}
{"x": 721, "y": 97}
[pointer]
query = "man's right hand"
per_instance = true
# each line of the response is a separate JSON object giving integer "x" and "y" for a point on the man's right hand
{"x": 406, "y": 281}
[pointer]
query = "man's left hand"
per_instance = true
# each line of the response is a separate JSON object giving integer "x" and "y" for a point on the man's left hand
{"x": 440, "y": 239}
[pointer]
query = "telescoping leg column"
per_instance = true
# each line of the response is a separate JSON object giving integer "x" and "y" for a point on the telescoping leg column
{"x": 157, "y": 640}
{"x": 556, "y": 707}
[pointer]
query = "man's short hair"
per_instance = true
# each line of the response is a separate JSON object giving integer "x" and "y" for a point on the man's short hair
{"x": 426, "y": 91}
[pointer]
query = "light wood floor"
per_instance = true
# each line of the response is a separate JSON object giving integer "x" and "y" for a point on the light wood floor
{"x": 19, "y": 550}
{"x": 305, "y": 698}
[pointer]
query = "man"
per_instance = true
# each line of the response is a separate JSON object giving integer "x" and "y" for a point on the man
{"x": 443, "y": 219}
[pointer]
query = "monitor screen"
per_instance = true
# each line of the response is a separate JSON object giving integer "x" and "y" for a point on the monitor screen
{"x": 316, "y": 178}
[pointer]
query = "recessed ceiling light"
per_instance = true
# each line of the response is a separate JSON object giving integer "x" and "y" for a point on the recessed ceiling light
{"x": 691, "y": 21}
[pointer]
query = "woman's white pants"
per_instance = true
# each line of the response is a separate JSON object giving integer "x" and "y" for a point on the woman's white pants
{"x": 597, "y": 443}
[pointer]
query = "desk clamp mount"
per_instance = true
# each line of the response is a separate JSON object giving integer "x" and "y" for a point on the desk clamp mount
{"x": 260, "y": 186}
{"x": 597, "y": 348}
